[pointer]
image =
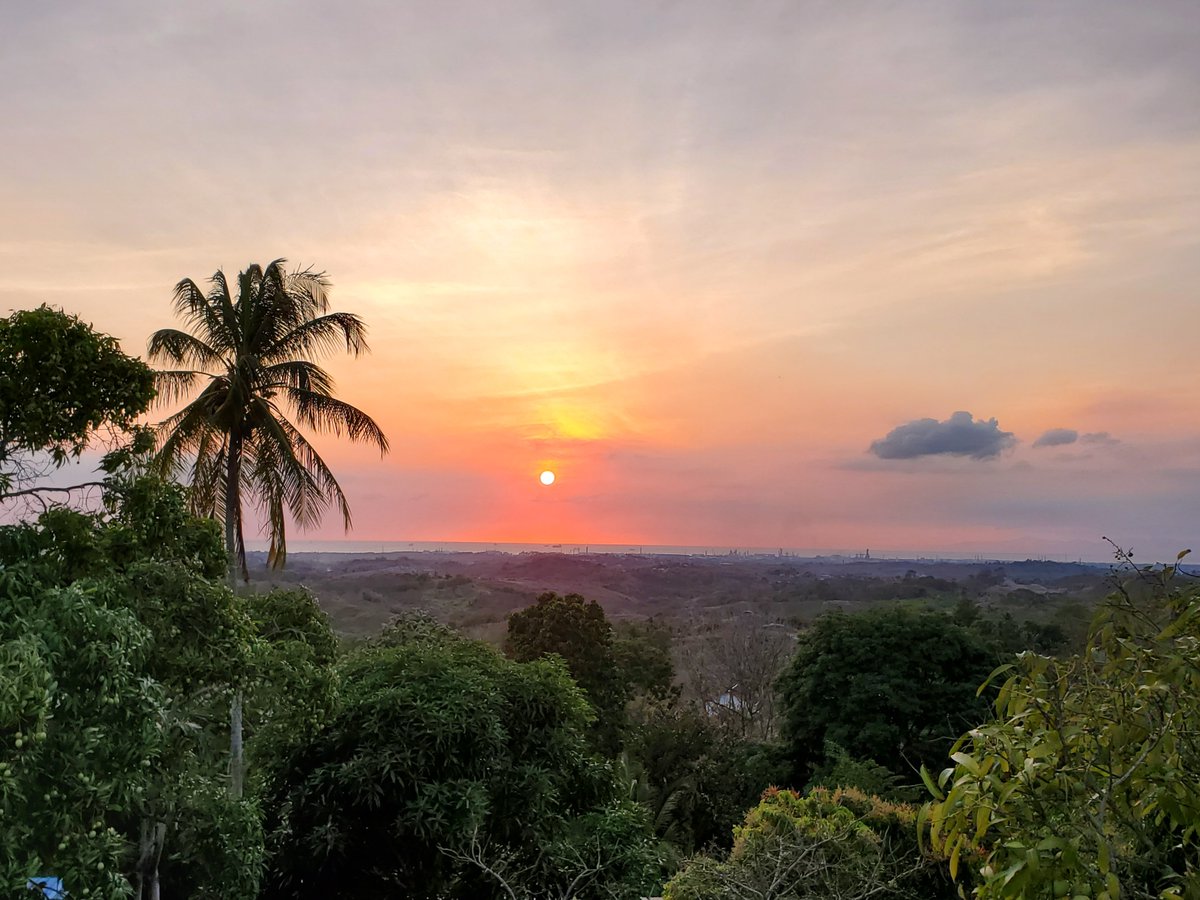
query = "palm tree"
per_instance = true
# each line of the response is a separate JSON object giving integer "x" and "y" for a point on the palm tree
{"x": 254, "y": 357}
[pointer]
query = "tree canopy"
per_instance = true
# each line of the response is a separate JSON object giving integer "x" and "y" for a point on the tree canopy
{"x": 60, "y": 382}
{"x": 890, "y": 685}
{"x": 116, "y": 646}
{"x": 578, "y": 631}
{"x": 828, "y": 845}
{"x": 1083, "y": 781}
{"x": 444, "y": 771}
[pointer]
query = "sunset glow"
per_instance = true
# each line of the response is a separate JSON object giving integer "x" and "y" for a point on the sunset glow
{"x": 742, "y": 274}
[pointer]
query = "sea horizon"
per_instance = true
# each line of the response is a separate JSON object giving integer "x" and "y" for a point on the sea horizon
{"x": 568, "y": 548}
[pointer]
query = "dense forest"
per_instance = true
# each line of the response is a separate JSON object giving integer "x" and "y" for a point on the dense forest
{"x": 167, "y": 729}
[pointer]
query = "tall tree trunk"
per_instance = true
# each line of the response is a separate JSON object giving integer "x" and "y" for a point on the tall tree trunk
{"x": 154, "y": 835}
{"x": 233, "y": 509}
{"x": 237, "y": 762}
{"x": 233, "y": 515}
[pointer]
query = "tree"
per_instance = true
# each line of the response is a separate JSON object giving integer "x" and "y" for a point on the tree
{"x": 79, "y": 735}
{"x": 121, "y": 644}
{"x": 732, "y": 670}
{"x": 891, "y": 685}
{"x": 1083, "y": 781}
{"x": 294, "y": 683}
{"x": 829, "y": 845}
{"x": 115, "y": 636}
{"x": 642, "y": 651}
{"x": 255, "y": 355}
{"x": 60, "y": 383}
{"x": 446, "y": 770}
{"x": 578, "y": 631}
{"x": 695, "y": 778}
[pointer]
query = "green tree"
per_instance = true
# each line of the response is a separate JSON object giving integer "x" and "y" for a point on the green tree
{"x": 891, "y": 685}
{"x": 293, "y": 688}
{"x": 255, "y": 358}
{"x": 841, "y": 770}
{"x": 642, "y": 651}
{"x": 829, "y": 845}
{"x": 578, "y": 631}
{"x": 449, "y": 771}
{"x": 114, "y": 636}
{"x": 1083, "y": 783}
{"x": 60, "y": 383}
{"x": 695, "y": 779}
{"x": 80, "y": 734}
{"x": 122, "y": 635}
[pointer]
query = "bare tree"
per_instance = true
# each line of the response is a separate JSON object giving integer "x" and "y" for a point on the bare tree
{"x": 731, "y": 668}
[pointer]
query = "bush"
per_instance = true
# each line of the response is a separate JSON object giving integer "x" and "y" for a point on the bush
{"x": 831, "y": 845}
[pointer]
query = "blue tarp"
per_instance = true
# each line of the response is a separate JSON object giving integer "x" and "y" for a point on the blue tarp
{"x": 47, "y": 886}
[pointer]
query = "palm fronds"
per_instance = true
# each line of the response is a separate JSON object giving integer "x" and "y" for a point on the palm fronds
{"x": 257, "y": 353}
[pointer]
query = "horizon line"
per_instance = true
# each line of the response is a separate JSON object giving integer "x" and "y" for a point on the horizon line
{"x": 572, "y": 548}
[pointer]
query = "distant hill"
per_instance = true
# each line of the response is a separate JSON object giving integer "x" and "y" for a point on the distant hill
{"x": 477, "y": 591}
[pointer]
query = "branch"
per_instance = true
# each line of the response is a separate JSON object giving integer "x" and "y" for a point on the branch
{"x": 475, "y": 855}
{"x": 7, "y": 495}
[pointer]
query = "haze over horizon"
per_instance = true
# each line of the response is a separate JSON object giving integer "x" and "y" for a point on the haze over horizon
{"x": 794, "y": 274}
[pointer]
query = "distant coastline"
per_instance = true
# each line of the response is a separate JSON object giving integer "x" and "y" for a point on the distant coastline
{"x": 517, "y": 548}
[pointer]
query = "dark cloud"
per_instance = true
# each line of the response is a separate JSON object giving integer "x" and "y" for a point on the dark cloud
{"x": 1098, "y": 437}
{"x": 1057, "y": 437}
{"x": 960, "y": 435}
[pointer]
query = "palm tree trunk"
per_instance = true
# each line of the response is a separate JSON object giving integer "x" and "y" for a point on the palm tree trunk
{"x": 233, "y": 514}
{"x": 233, "y": 508}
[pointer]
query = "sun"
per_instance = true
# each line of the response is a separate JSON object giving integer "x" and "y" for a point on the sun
{"x": 546, "y": 478}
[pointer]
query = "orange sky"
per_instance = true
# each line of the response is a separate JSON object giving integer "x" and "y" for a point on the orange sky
{"x": 696, "y": 258}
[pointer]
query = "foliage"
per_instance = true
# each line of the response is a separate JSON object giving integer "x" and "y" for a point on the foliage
{"x": 694, "y": 778}
{"x": 1083, "y": 783}
{"x": 61, "y": 381}
{"x": 148, "y": 518}
{"x": 599, "y": 854}
{"x": 136, "y": 646}
{"x": 216, "y": 845}
{"x": 578, "y": 631}
{"x": 841, "y": 770}
{"x": 890, "y": 685}
{"x": 294, "y": 685}
{"x": 443, "y": 766}
{"x": 832, "y": 845}
{"x": 1008, "y": 636}
{"x": 253, "y": 355}
{"x": 642, "y": 651}
{"x": 80, "y": 733}
{"x": 415, "y": 627}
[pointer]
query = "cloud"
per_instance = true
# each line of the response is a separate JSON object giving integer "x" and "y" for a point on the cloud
{"x": 1057, "y": 437}
{"x": 960, "y": 435}
{"x": 1060, "y": 437}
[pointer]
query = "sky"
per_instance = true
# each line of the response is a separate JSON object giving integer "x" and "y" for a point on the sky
{"x": 915, "y": 276}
